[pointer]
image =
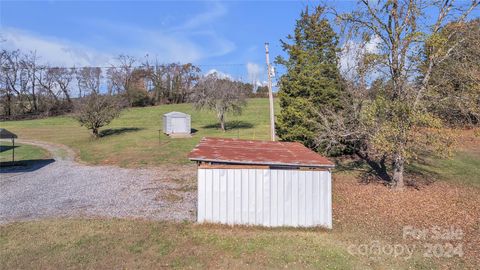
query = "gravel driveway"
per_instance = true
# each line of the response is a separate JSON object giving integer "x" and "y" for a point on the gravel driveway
{"x": 65, "y": 188}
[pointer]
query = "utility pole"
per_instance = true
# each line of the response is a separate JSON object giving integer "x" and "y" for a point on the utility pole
{"x": 270, "y": 94}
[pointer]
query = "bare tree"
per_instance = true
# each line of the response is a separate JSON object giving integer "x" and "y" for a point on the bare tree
{"x": 28, "y": 87}
{"x": 46, "y": 82}
{"x": 30, "y": 64}
{"x": 62, "y": 78}
{"x": 96, "y": 111}
{"x": 120, "y": 75}
{"x": 397, "y": 120}
{"x": 157, "y": 74}
{"x": 88, "y": 79}
{"x": 220, "y": 95}
{"x": 5, "y": 90}
{"x": 19, "y": 83}
{"x": 172, "y": 83}
{"x": 15, "y": 80}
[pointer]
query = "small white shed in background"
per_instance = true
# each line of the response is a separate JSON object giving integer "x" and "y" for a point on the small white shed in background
{"x": 262, "y": 183}
{"x": 176, "y": 123}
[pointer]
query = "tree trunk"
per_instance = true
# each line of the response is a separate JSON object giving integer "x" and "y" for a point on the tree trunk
{"x": 157, "y": 95}
{"x": 398, "y": 168}
{"x": 67, "y": 96}
{"x": 95, "y": 132}
{"x": 9, "y": 104}
{"x": 222, "y": 122}
{"x": 34, "y": 96}
{"x": 379, "y": 167}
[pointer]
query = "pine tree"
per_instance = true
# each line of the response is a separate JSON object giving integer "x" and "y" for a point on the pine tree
{"x": 312, "y": 78}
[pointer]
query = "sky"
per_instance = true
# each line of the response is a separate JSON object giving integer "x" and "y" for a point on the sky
{"x": 226, "y": 36}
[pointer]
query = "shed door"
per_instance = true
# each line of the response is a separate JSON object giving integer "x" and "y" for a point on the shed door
{"x": 179, "y": 125}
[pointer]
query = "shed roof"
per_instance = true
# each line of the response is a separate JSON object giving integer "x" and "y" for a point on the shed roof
{"x": 235, "y": 151}
{"x": 176, "y": 114}
{"x": 5, "y": 134}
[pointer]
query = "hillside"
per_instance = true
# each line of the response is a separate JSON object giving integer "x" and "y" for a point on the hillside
{"x": 133, "y": 140}
{"x": 362, "y": 213}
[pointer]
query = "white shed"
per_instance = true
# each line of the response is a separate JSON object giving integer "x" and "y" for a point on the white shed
{"x": 176, "y": 123}
{"x": 262, "y": 183}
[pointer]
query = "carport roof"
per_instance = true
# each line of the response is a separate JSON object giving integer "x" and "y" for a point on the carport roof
{"x": 235, "y": 151}
{"x": 5, "y": 134}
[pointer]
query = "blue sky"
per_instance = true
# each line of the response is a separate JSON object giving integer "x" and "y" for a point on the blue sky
{"x": 226, "y": 36}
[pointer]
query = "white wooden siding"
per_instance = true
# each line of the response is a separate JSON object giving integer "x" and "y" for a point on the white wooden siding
{"x": 265, "y": 197}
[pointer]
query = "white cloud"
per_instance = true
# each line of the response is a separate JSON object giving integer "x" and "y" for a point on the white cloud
{"x": 352, "y": 51}
{"x": 163, "y": 46}
{"x": 220, "y": 74}
{"x": 255, "y": 75}
{"x": 191, "y": 41}
{"x": 52, "y": 50}
{"x": 166, "y": 45}
{"x": 214, "y": 11}
{"x": 253, "y": 71}
{"x": 373, "y": 45}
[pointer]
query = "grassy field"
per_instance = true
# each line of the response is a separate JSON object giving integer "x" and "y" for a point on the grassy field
{"x": 123, "y": 244}
{"x": 133, "y": 140}
{"x": 362, "y": 213}
{"x": 463, "y": 167}
{"x": 22, "y": 152}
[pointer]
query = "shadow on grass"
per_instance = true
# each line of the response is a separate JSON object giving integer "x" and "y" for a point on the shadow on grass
{"x": 117, "y": 131}
{"x": 370, "y": 171}
{"x": 24, "y": 165}
{"x": 421, "y": 172}
{"x": 4, "y": 148}
{"x": 416, "y": 175}
{"x": 232, "y": 125}
{"x": 349, "y": 164}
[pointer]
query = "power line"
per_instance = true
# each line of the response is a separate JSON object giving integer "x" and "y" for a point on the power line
{"x": 44, "y": 66}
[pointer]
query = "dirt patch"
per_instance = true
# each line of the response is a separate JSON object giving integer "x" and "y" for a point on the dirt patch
{"x": 169, "y": 197}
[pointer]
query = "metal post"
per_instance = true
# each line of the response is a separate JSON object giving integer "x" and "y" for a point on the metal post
{"x": 13, "y": 150}
{"x": 270, "y": 95}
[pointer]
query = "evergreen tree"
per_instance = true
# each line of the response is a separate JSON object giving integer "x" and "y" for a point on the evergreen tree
{"x": 312, "y": 78}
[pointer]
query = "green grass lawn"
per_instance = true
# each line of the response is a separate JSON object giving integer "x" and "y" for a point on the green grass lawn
{"x": 462, "y": 168}
{"x": 22, "y": 152}
{"x": 137, "y": 244}
{"x": 130, "y": 244}
{"x": 135, "y": 140}
{"x": 123, "y": 244}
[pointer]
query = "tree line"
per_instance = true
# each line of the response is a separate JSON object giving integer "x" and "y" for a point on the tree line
{"x": 29, "y": 88}
{"x": 409, "y": 79}
{"x": 212, "y": 92}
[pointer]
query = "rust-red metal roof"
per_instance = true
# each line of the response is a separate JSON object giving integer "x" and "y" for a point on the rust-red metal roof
{"x": 252, "y": 152}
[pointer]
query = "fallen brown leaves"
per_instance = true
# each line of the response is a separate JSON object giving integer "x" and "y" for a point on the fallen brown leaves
{"x": 383, "y": 212}
{"x": 468, "y": 139}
